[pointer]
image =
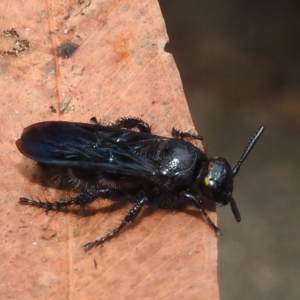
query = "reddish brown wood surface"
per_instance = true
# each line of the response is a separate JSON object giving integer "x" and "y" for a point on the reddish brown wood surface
{"x": 120, "y": 69}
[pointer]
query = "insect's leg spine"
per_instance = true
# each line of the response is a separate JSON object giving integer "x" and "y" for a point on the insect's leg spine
{"x": 185, "y": 135}
{"x": 130, "y": 217}
{"x": 133, "y": 123}
{"x": 81, "y": 200}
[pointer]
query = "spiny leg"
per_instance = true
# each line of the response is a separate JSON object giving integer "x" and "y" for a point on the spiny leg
{"x": 185, "y": 135}
{"x": 94, "y": 120}
{"x": 82, "y": 200}
{"x": 199, "y": 204}
{"x": 128, "y": 123}
{"x": 133, "y": 123}
{"x": 130, "y": 217}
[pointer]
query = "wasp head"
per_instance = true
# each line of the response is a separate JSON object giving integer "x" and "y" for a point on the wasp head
{"x": 218, "y": 177}
{"x": 218, "y": 183}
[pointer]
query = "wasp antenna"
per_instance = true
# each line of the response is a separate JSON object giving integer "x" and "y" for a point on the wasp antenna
{"x": 235, "y": 210}
{"x": 248, "y": 150}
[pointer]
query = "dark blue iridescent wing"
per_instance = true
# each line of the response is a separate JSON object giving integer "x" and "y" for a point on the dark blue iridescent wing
{"x": 86, "y": 146}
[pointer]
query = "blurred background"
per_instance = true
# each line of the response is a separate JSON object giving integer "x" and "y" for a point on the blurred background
{"x": 240, "y": 66}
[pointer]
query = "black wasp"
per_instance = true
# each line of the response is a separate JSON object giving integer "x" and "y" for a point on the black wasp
{"x": 124, "y": 161}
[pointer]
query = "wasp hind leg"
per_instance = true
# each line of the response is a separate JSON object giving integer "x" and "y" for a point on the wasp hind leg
{"x": 130, "y": 217}
{"x": 81, "y": 200}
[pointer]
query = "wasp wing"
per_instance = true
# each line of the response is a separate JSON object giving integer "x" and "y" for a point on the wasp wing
{"x": 86, "y": 146}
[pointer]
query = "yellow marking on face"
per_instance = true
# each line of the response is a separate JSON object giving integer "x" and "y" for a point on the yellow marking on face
{"x": 206, "y": 181}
